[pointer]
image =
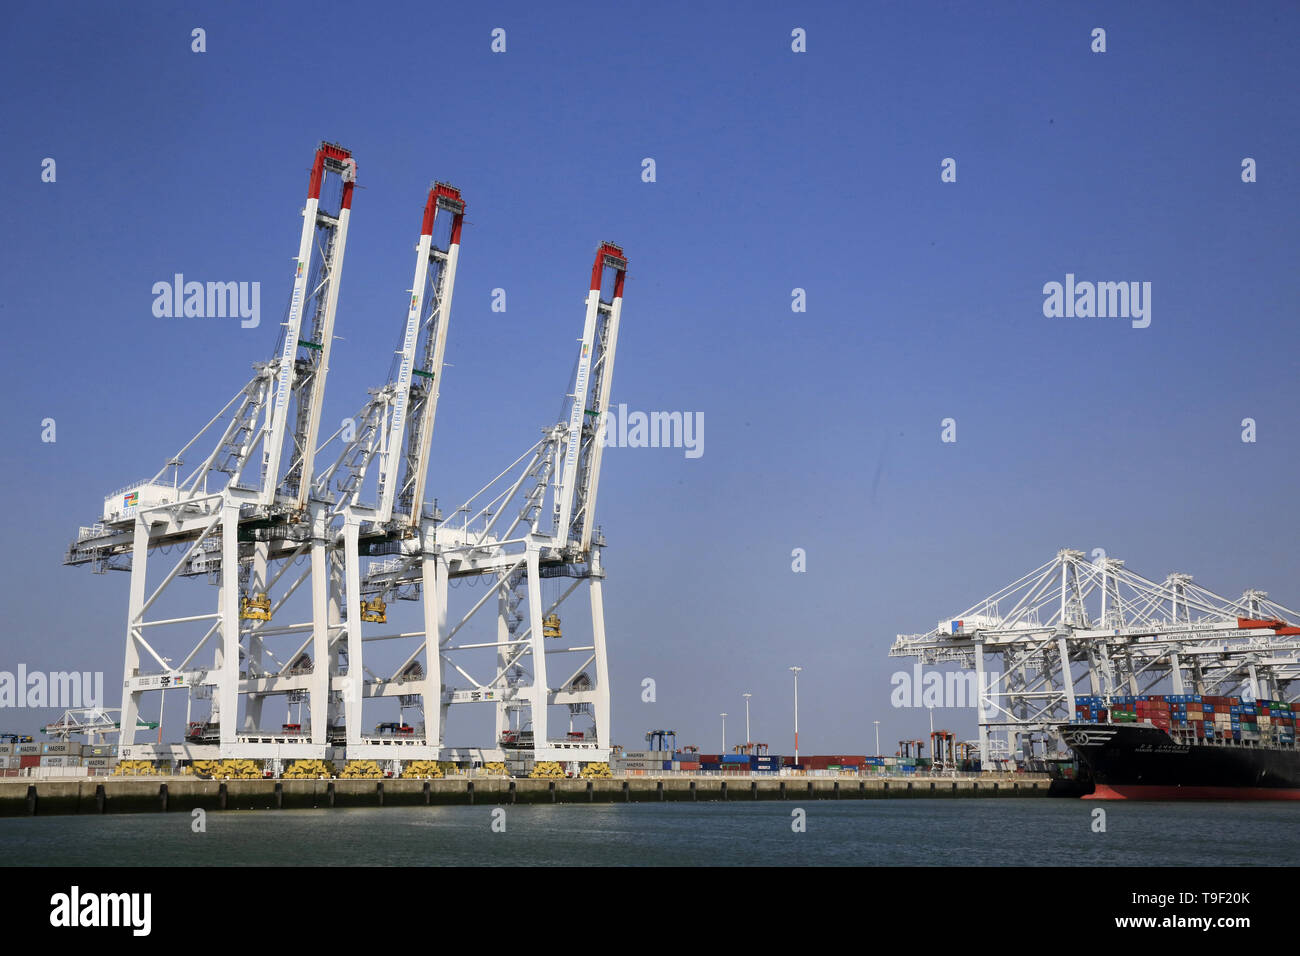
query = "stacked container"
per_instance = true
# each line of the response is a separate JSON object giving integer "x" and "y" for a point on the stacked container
{"x": 1089, "y": 710}
{"x": 1214, "y": 719}
{"x": 643, "y": 760}
{"x": 765, "y": 763}
{"x": 29, "y": 755}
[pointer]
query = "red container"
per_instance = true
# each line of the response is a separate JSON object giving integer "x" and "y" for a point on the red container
{"x": 692, "y": 765}
{"x": 29, "y": 760}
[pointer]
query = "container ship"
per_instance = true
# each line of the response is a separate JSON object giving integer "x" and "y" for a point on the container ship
{"x": 1186, "y": 746}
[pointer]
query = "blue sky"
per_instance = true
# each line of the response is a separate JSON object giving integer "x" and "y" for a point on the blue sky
{"x": 775, "y": 170}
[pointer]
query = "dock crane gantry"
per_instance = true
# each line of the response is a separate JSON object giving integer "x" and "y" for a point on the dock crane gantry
{"x": 237, "y": 517}
{"x": 254, "y": 508}
{"x": 1076, "y": 626}
{"x": 394, "y": 434}
{"x": 533, "y": 521}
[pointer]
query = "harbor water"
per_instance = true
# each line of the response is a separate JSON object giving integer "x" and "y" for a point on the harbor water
{"x": 973, "y": 832}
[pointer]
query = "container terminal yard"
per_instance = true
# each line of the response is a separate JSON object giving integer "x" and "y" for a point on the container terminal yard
{"x": 263, "y": 559}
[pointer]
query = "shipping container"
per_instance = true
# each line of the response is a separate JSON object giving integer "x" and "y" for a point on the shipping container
{"x": 26, "y": 750}
{"x": 690, "y": 765}
{"x": 29, "y": 760}
{"x": 59, "y": 748}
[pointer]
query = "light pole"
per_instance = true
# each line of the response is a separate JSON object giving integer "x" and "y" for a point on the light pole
{"x": 724, "y": 733}
{"x": 877, "y": 723}
{"x": 748, "y": 738}
{"x": 796, "y": 671}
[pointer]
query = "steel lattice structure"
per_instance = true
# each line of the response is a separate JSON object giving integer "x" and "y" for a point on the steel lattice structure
{"x": 259, "y": 520}
{"x": 1074, "y": 627}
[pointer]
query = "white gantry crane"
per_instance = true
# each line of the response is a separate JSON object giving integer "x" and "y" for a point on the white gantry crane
{"x": 389, "y": 455}
{"x": 533, "y": 522}
{"x": 240, "y": 517}
{"x": 254, "y": 516}
{"x": 1075, "y": 627}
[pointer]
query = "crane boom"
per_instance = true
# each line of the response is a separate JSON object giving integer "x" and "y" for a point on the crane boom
{"x": 576, "y": 497}
{"x": 302, "y": 364}
{"x": 394, "y": 427}
{"x": 435, "y": 279}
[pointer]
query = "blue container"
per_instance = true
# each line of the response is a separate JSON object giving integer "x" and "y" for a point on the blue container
{"x": 710, "y": 766}
{"x": 735, "y": 758}
{"x": 668, "y": 765}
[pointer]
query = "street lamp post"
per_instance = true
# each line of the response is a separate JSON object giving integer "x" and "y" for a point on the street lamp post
{"x": 877, "y": 723}
{"x": 748, "y": 738}
{"x": 724, "y": 733}
{"x": 796, "y": 671}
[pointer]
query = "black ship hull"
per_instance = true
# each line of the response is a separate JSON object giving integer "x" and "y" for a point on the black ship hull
{"x": 1141, "y": 762}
